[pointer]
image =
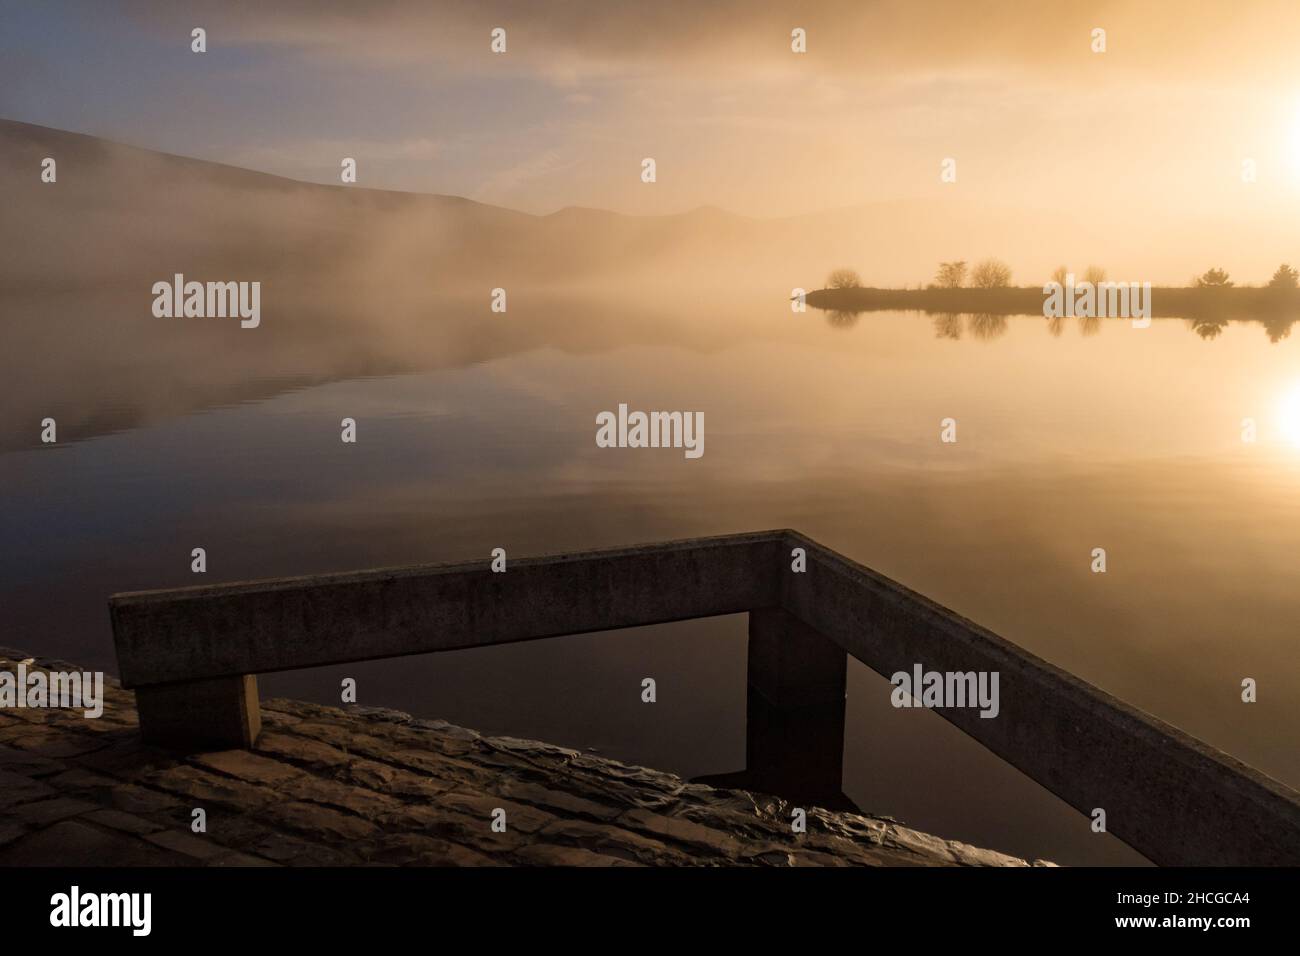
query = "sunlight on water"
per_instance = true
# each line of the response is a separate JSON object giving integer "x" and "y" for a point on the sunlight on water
{"x": 1288, "y": 415}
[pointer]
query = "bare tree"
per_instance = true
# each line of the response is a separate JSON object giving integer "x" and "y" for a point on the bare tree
{"x": 991, "y": 274}
{"x": 1093, "y": 274}
{"x": 951, "y": 275}
{"x": 843, "y": 279}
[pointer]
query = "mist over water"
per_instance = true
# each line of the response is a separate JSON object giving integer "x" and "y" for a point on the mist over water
{"x": 476, "y": 431}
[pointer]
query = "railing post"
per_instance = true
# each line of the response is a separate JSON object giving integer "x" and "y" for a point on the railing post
{"x": 795, "y": 724}
{"x": 217, "y": 714}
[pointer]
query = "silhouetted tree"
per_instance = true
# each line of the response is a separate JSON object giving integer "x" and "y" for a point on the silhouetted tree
{"x": 991, "y": 274}
{"x": 1093, "y": 274}
{"x": 1214, "y": 279}
{"x": 1284, "y": 278}
{"x": 843, "y": 279}
{"x": 951, "y": 275}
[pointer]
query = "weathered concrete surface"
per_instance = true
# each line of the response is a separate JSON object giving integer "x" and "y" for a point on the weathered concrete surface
{"x": 332, "y": 787}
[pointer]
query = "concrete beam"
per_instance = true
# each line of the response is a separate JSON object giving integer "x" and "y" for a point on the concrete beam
{"x": 1170, "y": 796}
{"x": 228, "y": 630}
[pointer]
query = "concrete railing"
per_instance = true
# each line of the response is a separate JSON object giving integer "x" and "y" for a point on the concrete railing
{"x": 192, "y": 656}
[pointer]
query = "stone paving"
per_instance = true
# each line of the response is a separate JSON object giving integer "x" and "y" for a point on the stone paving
{"x": 339, "y": 787}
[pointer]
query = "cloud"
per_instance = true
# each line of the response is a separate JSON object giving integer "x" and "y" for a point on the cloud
{"x": 585, "y": 40}
{"x": 711, "y": 90}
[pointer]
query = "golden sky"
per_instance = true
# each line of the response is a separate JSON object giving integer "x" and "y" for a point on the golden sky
{"x": 1148, "y": 138}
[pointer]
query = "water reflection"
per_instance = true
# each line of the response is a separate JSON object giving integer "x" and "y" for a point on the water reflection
{"x": 1278, "y": 327}
{"x": 947, "y": 325}
{"x": 842, "y": 318}
{"x": 1209, "y": 327}
{"x": 988, "y": 326}
{"x": 481, "y": 435}
{"x": 1288, "y": 414}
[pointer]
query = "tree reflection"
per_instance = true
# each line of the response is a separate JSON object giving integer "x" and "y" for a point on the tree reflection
{"x": 947, "y": 325}
{"x": 1278, "y": 327}
{"x": 1208, "y": 326}
{"x": 986, "y": 326}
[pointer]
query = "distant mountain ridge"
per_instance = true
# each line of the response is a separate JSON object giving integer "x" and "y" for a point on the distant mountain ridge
{"x": 117, "y": 211}
{"x": 120, "y": 211}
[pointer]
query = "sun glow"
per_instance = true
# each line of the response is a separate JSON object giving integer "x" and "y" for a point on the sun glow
{"x": 1293, "y": 145}
{"x": 1288, "y": 415}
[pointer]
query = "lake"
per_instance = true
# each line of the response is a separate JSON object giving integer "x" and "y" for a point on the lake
{"x": 477, "y": 431}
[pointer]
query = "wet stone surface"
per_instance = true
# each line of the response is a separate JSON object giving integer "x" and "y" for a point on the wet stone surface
{"x": 334, "y": 787}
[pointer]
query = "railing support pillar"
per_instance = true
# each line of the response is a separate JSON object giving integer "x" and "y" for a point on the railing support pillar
{"x": 795, "y": 724}
{"x": 217, "y": 714}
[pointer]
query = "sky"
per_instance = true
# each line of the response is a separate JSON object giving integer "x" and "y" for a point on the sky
{"x": 1159, "y": 123}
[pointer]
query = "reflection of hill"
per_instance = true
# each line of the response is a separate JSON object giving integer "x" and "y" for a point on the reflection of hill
{"x": 98, "y": 361}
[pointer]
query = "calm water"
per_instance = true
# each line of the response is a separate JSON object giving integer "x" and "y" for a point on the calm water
{"x": 477, "y": 432}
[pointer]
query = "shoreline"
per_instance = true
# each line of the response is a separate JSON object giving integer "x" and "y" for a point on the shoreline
{"x": 1166, "y": 301}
